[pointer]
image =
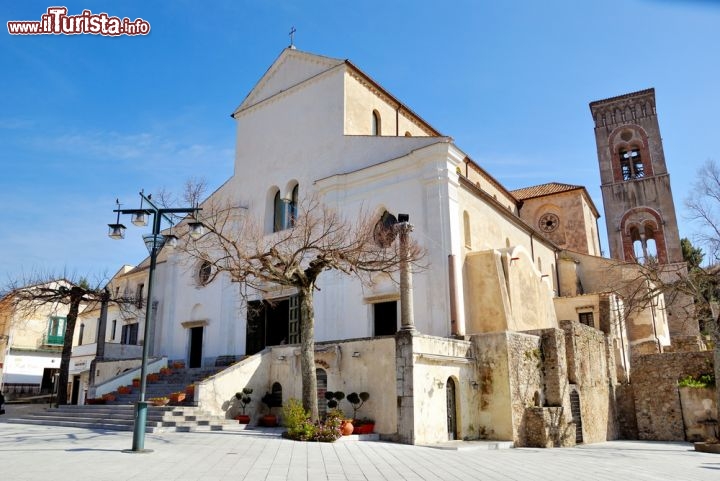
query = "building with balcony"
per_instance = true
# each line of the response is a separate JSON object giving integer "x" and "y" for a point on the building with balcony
{"x": 31, "y": 340}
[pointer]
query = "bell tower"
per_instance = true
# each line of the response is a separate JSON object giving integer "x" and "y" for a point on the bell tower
{"x": 638, "y": 202}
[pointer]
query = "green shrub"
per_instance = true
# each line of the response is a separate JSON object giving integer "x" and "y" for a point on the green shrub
{"x": 703, "y": 380}
{"x": 296, "y": 419}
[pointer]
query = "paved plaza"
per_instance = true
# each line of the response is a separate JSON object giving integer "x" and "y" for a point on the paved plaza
{"x": 55, "y": 453}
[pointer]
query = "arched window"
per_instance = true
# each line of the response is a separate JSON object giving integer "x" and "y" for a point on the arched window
{"x": 376, "y": 123}
{"x": 631, "y": 164}
{"x": 466, "y": 227}
{"x": 293, "y": 207}
{"x": 321, "y": 377}
{"x": 278, "y": 217}
{"x": 203, "y": 273}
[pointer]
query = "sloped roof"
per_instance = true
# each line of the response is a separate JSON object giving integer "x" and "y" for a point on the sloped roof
{"x": 552, "y": 188}
{"x": 543, "y": 189}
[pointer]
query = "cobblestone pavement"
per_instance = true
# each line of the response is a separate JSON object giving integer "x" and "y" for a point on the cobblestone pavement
{"x": 54, "y": 453}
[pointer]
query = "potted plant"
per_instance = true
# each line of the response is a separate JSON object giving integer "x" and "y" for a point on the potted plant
{"x": 159, "y": 401}
{"x": 190, "y": 390}
{"x": 243, "y": 399}
{"x": 153, "y": 377}
{"x": 271, "y": 400}
{"x": 364, "y": 426}
{"x": 357, "y": 401}
{"x": 165, "y": 371}
{"x": 333, "y": 399}
{"x": 178, "y": 364}
{"x": 125, "y": 390}
{"x": 177, "y": 397}
{"x": 109, "y": 397}
{"x": 361, "y": 426}
{"x": 136, "y": 382}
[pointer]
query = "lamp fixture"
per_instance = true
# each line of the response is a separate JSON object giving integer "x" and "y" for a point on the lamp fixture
{"x": 281, "y": 358}
{"x": 154, "y": 242}
{"x": 197, "y": 229}
{"x": 356, "y": 354}
{"x": 117, "y": 230}
{"x": 171, "y": 240}
{"x": 139, "y": 218}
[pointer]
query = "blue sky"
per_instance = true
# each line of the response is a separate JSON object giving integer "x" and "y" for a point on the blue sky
{"x": 85, "y": 119}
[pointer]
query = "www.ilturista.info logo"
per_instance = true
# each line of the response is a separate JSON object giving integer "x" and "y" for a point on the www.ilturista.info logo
{"x": 57, "y": 22}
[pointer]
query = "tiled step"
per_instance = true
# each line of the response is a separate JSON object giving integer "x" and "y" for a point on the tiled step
{"x": 122, "y": 418}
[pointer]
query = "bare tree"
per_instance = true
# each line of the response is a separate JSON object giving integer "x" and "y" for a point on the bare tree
{"x": 28, "y": 297}
{"x": 316, "y": 239}
{"x": 704, "y": 207}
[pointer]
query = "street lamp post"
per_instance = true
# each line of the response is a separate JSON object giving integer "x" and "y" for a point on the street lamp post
{"x": 154, "y": 242}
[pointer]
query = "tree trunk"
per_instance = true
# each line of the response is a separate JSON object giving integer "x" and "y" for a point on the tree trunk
{"x": 716, "y": 356}
{"x": 307, "y": 352}
{"x": 71, "y": 319}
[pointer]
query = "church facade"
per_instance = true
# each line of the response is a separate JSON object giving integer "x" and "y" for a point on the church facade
{"x": 515, "y": 336}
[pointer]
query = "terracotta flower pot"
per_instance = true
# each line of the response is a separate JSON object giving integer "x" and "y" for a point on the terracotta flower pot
{"x": 366, "y": 428}
{"x": 136, "y": 382}
{"x": 125, "y": 390}
{"x": 243, "y": 419}
{"x": 177, "y": 397}
{"x": 347, "y": 427}
{"x": 269, "y": 420}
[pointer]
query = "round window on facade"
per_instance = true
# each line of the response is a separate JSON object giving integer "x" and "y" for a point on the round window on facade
{"x": 548, "y": 222}
{"x": 204, "y": 273}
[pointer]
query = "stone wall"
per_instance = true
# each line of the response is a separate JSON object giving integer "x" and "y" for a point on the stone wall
{"x": 591, "y": 368}
{"x": 437, "y": 362}
{"x": 625, "y": 403}
{"x": 548, "y": 428}
{"x": 354, "y": 365}
{"x": 657, "y": 401}
{"x": 698, "y": 408}
{"x": 510, "y": 370}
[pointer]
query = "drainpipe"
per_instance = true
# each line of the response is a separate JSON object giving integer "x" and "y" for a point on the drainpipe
{"x": 621, "y": 330}
{"x": 532, "y": 247}
{"x": 454, "y": 327}
{"x": 397, "y": 121}
{"x": 682, "y": 415}
{"x": 557, "y": 274}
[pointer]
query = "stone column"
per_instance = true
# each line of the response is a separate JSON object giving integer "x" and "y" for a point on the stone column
{"x": 404, "y": 367}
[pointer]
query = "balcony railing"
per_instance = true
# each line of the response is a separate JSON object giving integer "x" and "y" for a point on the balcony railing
{"x": 55, "y": 340}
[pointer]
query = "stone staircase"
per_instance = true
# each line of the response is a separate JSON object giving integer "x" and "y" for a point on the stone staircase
{"x": 174, "y": 382}
{"x": 119, "y": 414}
{"x": 121, "y": 417}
